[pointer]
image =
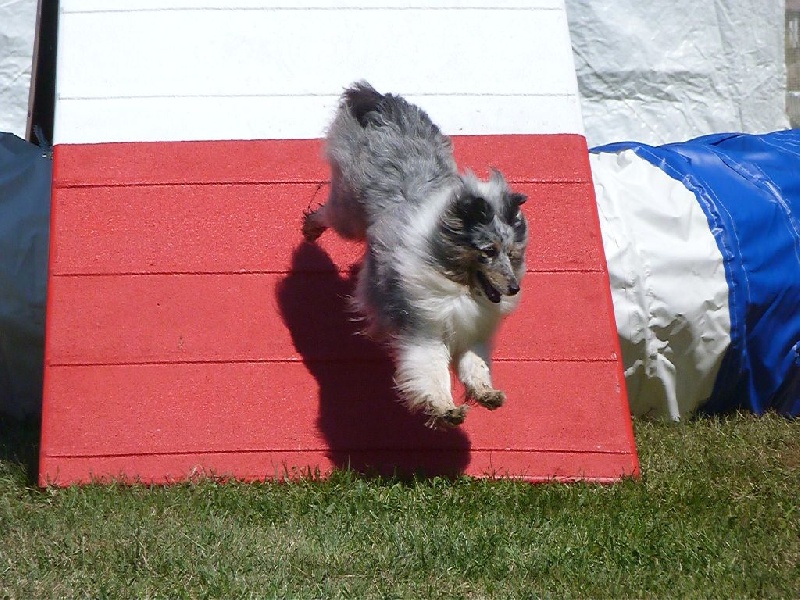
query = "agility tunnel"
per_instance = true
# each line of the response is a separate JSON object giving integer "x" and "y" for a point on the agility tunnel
{"x": 190, "y": 331}
{"x": 702, "y": 240}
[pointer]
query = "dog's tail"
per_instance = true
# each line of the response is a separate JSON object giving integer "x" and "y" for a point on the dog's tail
{"x": 364, "y": 103}
{"x": 371, "y": 109}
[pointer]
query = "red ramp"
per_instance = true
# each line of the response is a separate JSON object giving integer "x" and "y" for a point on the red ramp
{"x": 190, "y": 330}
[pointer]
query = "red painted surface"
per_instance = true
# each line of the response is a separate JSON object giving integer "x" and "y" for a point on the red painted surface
{"x": 242, "y": 310}
{"x": 191, "y": 331}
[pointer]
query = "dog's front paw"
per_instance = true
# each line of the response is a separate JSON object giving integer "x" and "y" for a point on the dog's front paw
{"x": 490, "y": 399}
{"x": 452, "y": 417}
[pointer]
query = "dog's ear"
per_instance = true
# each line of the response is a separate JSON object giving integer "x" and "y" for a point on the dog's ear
{"x": 511, "y": 206}
{"x": 517, "y": 198}
{"x": 474, "y": 210}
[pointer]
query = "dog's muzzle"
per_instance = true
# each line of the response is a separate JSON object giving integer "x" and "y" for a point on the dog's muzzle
{"x": 492, "y": 293}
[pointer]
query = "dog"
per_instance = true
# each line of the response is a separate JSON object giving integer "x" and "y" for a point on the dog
{"x": 444, "y": 255}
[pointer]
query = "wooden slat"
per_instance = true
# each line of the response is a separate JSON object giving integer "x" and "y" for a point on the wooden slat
{"x": 255, "y": 317}
{"x": 325, "y": 408}
{"x": 189, "y": 229}
{"x": 259, "y": 52}
{"x": 240, "y": 228}
{"x": 558, "y": 157}
{"x": 84, "y": 6}
{"x": 532, "y": 466}
{"x": 246, "y": 117}
{"x": 158, "y": 163}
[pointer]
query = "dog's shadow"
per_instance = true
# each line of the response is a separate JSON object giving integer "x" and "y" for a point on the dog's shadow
{"x": 365, "y": 428}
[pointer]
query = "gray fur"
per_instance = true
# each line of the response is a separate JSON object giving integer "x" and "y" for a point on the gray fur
{"x": 390, "y": 165}
{"x": 395, "y": 184}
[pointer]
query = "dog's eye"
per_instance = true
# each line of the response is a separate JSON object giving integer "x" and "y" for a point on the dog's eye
{"x": 489, "y": 251}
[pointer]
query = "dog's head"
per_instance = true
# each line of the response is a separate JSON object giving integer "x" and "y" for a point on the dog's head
{"x": 483, "y": 237}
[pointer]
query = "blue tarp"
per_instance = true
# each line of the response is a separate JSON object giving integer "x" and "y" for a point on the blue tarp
{"x": 25, "y": 173}
{"x": 749, "y": 188}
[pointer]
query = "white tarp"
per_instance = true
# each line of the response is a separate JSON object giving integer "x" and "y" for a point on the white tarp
{"x": 17, "y": 33}
{"x": 662, "y": 71}
{"x": 667, "y": 283}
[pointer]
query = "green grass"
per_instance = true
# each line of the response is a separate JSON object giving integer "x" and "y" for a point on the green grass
{"x": 715, "y": 515}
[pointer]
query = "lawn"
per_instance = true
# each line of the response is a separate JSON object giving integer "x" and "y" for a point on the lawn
{"x": 716, "y": 514}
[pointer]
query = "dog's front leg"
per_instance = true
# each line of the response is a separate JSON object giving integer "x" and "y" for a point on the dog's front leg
{"x": 473, "y": 371}
{"x": 423, "y": 378}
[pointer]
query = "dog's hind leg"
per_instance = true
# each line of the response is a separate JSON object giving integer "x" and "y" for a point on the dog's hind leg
{"x": 314, "y": 223}
{"x": 423, "y": 378}
{"x": 342, "y": 212}
{"x": 473, "y": 371}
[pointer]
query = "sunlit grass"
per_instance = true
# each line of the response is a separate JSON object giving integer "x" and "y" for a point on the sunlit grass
{"x": 716, "y": 514}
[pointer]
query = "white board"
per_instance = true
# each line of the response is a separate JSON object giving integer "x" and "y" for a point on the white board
{"x": 148, "y": 70}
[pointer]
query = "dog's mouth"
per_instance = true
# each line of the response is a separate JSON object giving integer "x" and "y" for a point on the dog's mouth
{"x": 491, "y": 292}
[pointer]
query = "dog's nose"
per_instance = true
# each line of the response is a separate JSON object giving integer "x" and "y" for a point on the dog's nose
{"x": 513, "y": 289}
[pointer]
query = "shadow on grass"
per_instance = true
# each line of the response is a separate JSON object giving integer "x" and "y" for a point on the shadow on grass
{"x": 19, "y": 444}
{"x": 364, "y": 426}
